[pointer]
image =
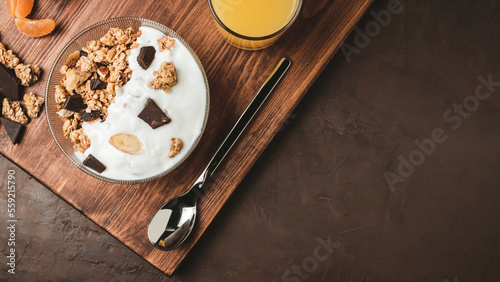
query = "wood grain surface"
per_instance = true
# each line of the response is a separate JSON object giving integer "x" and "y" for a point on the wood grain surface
{"x": 234, "y": 76}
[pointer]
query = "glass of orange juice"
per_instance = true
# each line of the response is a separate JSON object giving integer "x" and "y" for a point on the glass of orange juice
{"x": 254, "y": 24}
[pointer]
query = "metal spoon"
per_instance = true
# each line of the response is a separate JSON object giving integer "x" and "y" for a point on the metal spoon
{"x": 172, "y": 224}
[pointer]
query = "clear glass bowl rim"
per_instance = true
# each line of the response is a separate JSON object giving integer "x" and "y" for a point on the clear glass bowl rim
{"x": 48, "y": 112}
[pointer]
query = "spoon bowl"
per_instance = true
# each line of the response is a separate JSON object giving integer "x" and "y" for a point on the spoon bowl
{"x": 172, "y": 224}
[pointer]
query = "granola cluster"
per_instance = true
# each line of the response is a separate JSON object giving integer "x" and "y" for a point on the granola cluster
{"x": 175, "y": 148}
{"x": 164, "y": 78}
{"x": 9, "y": 59}
{"x": 33, "y": 104}
{"x": 166, "y": 43}
{"x": 94, "y": 73}
{"x": 13, "y": 111}
{"x": 28, "y": 74}
{"x": 80, "y": 141}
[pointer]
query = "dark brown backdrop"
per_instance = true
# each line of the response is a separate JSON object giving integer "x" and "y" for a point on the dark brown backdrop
{"x": 323, "y": 174}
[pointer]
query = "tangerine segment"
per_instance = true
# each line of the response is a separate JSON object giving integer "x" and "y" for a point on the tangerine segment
{"x": 24, "y": 7}
{"x": 35, "y": 28}
{"x": 11, "y": 6}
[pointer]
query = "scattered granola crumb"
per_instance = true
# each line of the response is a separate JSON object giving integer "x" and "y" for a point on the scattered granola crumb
{"x": 166, "y": 43}
{"x": 33, "y": 104}
{"x": 9, "y": 59}
{"x": 175, "y": 148}
{"x": 28, "y": 74}
{"x": 165, "y": 77}
{"x": 13, "y": 111}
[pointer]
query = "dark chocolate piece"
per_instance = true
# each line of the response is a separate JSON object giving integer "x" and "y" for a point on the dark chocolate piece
{"x": 146, "y": 56}
{"x": 14, "y": 129}
{"x": 153, "y": 115}
{"x": 74, "y": 103}
{"x": 94, "y": 164}
{"x": 83, "y": 53}
{"x": 86, "y": 116}
{"x": 10, "y": 85}
{"x": 72, "y": 64}
{"x": 97, "y": 84}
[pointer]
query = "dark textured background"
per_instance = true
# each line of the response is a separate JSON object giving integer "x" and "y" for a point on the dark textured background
{"x": 323, "y": 175}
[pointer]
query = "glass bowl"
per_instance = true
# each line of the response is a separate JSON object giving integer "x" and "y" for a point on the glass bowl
{"x": 95, "y": 32}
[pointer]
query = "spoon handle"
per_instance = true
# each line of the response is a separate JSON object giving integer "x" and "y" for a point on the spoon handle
{"x": 245, "y": 118}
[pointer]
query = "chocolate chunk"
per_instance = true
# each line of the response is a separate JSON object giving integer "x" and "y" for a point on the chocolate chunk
{"x": 94, "y": 164}
{"x": 83, "y": 53}
{"x": 10, "y": 85}
{"x": 146, "y": 56}
{"x": 72, "y": 64}
{"x": 74, "y": 103}
{"x": 14, "y": 129}
{"x": 153, "y": 115}
{"x": 86, "y": 116}
{"x": 97, "y": 84}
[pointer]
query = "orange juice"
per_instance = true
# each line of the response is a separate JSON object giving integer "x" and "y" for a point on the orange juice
{"x": 254, "y": 24}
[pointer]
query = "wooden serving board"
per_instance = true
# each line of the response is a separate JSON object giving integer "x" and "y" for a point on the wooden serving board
{"x": 234, "y": 76}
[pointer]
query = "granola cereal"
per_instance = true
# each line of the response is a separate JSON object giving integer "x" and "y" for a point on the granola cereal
{"x": 175, "y": 148}
{"x": 8, "y": 58}
{"x": 102, "y": 61}
{"x": 13, "y": 111}
{"x": 164, "y": 78}
{"x": 86, "y": 65}
{"x": 60, "y": 96}
{"x": 33, "y": 104}
{"x": 80, "y": 141}
{"x": 166, "y": 43}
{"x": 118, "y": 126}
{"x": 70, "y": 125}
{"x": 28, "y": 74}
{"x": 75, "y": 78}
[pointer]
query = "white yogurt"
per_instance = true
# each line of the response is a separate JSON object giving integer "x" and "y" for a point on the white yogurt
{"x": 185, "y": 105}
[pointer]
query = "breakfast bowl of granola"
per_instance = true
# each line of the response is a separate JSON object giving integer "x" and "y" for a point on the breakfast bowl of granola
{"x": 127, "y": 100}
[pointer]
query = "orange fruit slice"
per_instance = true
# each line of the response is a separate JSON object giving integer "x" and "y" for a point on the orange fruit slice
{"x": 35, "y": 28}
{"x": 23, "y": 8}
{"x": 11, "y": 6}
